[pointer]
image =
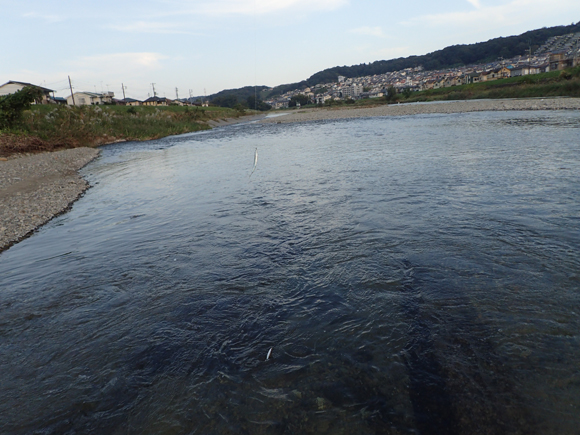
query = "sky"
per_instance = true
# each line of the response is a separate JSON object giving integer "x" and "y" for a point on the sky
{"x": 204, "y": 46}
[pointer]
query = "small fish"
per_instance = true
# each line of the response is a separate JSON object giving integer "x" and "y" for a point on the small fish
{"x": 269, "y": 354}
{"x": 255, "y": 161}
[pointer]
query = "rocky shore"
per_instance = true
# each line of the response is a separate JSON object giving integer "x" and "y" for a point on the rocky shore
{"x": 317, "y": 114}
{"x": 35, "y": 188}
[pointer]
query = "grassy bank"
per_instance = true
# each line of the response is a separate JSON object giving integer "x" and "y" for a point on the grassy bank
{"x": 48, "y": 127}
{"x": 552, "y": 84}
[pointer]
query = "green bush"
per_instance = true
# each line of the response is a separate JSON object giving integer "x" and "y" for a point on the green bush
{"x": 12, "y": 106}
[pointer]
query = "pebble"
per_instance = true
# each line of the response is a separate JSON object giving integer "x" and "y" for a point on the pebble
{"x": 35, "y": 188}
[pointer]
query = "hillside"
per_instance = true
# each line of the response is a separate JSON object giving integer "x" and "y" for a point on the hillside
{"x": 449, "y": 57}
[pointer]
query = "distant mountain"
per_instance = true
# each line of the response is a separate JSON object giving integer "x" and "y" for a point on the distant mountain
{"x": 449, "y": 57}
{"x": 241, "y": 95}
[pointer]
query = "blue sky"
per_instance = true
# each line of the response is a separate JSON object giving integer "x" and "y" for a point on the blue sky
{"x": 211, "y": 45}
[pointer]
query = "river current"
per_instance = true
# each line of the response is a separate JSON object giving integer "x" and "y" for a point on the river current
{"x": 412, "y": 275}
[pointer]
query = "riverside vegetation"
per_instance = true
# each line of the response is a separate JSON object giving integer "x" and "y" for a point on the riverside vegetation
{"x": 564, "y": 83}
{"x": 32, "y": 128}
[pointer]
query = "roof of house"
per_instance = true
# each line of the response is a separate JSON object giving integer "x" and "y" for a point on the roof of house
{"x": 151, "y": 99}
{"x": 27, "y": 84}
{"x": 91, "y": 94}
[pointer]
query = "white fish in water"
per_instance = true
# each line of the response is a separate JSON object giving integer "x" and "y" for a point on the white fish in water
{"x": 269, "y": 354}
{"x": 255, "y": 161}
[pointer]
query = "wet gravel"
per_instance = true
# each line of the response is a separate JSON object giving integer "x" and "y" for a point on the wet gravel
{"x": 36, "y": 188}
{"x": 317, "y": 114}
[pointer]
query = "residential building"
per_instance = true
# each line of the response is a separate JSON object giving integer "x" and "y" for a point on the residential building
{"x": 559, "y": 61}
{"x": 11, "y": 87}
{"x": 132, "y": 102}
{"x": 157, "y": 101}
{"x": 90, "y": 98}
{"x": 352, "y": 91}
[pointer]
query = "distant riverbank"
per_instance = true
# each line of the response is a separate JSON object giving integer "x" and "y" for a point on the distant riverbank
{"x": 317, "y": 114}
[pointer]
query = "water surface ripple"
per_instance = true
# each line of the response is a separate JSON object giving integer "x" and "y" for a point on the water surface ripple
{"x": 412, "y": 275}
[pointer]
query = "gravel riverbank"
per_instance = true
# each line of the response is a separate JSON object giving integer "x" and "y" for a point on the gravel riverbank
{"x": 317, "y": 114}
{"x": 35, "y": 188}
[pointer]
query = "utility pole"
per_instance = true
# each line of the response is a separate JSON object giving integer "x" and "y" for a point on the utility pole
{"x": 176, "y": 94}
{"x": 123, "y": 87}
{"x": 154, "y": 93}
{"x": 71, "y": 92}
{"x": 190, "y": 93}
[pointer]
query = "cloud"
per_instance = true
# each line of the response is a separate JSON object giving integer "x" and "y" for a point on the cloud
{"x": 509, "y": 13}
{"x": 255, "y": 7}
{"x": 120, "y": 61}
{"x": 49, "y": 18}
{"x": 369, "y": 31}
{"x": 152, "y": 27}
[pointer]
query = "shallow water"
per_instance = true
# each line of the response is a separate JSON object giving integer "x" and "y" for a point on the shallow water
{"x": 412, "y": 275}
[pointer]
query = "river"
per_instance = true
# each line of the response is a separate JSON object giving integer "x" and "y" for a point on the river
{"x": 410, "y": 275}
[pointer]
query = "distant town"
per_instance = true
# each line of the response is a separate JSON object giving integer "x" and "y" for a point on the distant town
{"x": 558, "y": 53}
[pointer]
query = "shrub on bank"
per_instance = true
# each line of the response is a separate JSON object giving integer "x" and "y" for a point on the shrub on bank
{"x": 12, "y": 106}
{"x": 47, "y": 127}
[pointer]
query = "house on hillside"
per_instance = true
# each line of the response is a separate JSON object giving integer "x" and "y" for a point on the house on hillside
{"x": 439, "y": 83}
{"x": 427, "y": 84}
{"x": 282, "y": 103}
{"x": 504, "y": 73}
{"x": 472, "y": 77}
{"x": 561, "y": 60}
{"x": 11, "y": 87}
{"x": 517, "y": 71}
{"x": 494, "y": 74}
{"x": 90, "y": 98}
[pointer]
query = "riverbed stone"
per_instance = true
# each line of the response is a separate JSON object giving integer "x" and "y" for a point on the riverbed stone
{"x": 35, "y": 188}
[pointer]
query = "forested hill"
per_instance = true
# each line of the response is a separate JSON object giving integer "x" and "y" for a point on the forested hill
{"x": 449, "y": 57}
{"x": 229, "y": 97}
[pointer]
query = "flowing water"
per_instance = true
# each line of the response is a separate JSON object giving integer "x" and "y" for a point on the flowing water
{"x": 411, "y": 275}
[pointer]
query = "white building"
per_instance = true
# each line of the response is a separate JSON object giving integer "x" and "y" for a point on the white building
{"x": 11, "y": 87}
{"x": 352, "y": 91}
{"x": 90, "y": 98}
